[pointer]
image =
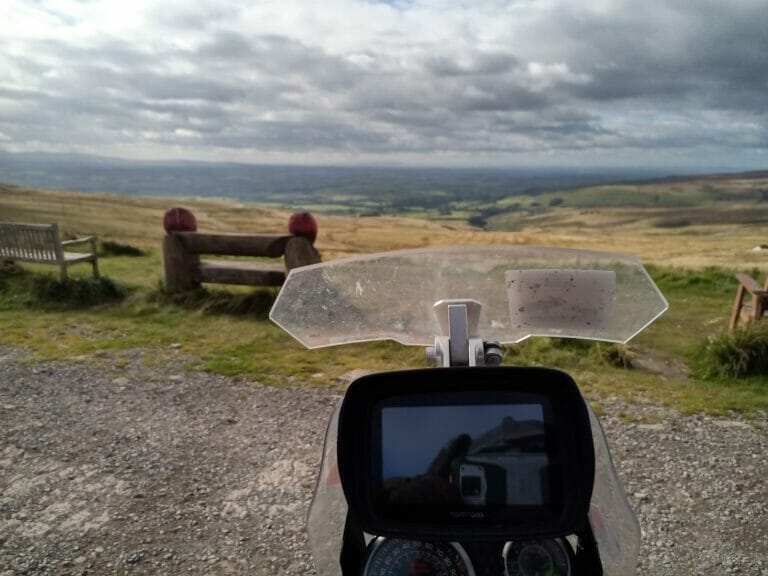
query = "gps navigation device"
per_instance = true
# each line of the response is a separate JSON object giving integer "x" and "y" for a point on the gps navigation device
{"x": 466, "y": 453}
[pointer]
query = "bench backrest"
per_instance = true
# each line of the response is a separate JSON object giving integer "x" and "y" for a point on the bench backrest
{"x": 31, "y": 242}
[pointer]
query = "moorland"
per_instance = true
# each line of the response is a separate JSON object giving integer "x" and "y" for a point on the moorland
{"x": 693, "y": 234}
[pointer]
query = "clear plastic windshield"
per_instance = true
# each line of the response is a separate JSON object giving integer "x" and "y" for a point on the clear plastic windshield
{"x": 524, "y": 291}
{"x": 613, "y": 522}
{"x": 328, "y": 511}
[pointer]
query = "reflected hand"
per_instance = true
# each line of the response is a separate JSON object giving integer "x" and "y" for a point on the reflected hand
{"x": 432, "y": 487}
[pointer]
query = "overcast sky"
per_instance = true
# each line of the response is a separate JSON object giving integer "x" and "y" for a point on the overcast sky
{"x": 520, "y": 83}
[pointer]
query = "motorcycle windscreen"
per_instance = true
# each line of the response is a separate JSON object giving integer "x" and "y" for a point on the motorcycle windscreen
{"x": 614, "y": 524}
{"x": 523, "y": 291}
{"x": 328, "y": 511}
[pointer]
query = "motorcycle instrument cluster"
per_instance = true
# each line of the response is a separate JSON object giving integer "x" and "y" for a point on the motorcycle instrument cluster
{"x": 396, "y": 557}
{"x": 400, "y": 557}
{"x": 538, "y": 558}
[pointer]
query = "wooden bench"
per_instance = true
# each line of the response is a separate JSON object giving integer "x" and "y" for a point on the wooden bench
{"x": 42, "y": 244}
{"x": 183, "y": 269}
{"x": 756, "y": 308}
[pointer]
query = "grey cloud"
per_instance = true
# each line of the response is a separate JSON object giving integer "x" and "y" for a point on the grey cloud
{"x": 299, "y": 136}
{"x": 155, "y": 86}
{"x": 226, "y": 46}
{"x": 702, "y": 53}
{"x": 285, "y": 57}
{"x": 267, "y": 91}
{"x": 498, "y": 96}
{"x": 281, "y": 61}
{"x": 115, "y": 53}
{"x": 482, "y": 63}
{"x": 195, "y": 17}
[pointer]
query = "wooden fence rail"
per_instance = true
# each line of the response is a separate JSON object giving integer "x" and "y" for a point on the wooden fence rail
{"x": 183, "y": 269}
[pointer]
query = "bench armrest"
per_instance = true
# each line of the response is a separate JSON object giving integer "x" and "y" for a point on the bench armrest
{"x": 750, "y": 285}
{"x": 76, "y": 241}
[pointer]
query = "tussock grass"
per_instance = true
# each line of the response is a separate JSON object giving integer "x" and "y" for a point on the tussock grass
{"x": 569, "y": 354}
{"x": 19, "y": 288}
{"x": 75, "y": 292}
{"x": 255, "y": 303}
{"x": 742, "y": 354}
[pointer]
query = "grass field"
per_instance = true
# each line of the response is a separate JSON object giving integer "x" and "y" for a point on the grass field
{"x": 690, "y": 236}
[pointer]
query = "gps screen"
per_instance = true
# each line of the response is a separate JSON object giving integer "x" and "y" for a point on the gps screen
{"x": 455, "y": 457}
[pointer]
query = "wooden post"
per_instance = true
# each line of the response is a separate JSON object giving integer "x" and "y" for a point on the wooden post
{"x": 59, "y": 251}
{"x": 95, "y": 252}
{"x": 300, "y": 252}
{"x": 737, "y": 305}
{"x": 179, "y": 266}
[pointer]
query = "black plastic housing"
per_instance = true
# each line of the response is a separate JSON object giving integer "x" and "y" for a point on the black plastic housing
{"x": 568, "y": 434}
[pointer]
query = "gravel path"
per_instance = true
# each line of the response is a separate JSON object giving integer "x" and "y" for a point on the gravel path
{"x": 139, "y": 470}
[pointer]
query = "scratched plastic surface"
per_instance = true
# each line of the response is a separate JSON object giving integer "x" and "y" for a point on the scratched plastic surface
{"x": 524, "y": 291}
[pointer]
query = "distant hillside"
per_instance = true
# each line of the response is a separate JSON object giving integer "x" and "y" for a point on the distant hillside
{"x": 722, "y": 230}
{"x": 502, "y": 200}
{"x": 343, "y": 190}
{"x": 694, "y": 207}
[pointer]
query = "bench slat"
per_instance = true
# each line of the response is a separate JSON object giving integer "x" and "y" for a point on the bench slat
{"x": 28, "y": 255}
{"x": 33, "y": 244}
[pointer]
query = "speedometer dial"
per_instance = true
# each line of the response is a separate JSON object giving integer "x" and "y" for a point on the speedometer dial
{"x": 537, "y": 558}
{"x": 396, "y": 557}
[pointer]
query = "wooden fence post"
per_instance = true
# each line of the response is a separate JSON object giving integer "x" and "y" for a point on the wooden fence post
{"x": 179, "y": 266}
{"x": 300, "y": 252}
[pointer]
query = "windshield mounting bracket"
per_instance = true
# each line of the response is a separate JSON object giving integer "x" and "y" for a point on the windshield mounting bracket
{"x": 459, "y": 345}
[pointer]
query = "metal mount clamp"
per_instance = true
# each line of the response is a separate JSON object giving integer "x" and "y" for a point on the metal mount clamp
{"x": 460, "y": 344}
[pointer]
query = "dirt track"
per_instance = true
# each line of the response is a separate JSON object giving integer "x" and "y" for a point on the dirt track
{"x": 154, "y": 471}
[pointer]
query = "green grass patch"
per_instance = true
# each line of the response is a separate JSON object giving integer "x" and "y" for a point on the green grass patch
{"x": 699, "y": 306}
{"x": 226, "y": 331}
{"x": 742, "y": 354}
{"x": 18, "y": 288}
{"x": 569, "y": 354}
{"x": 251, "y": 303}
{"x": 710, "y": 283}
{"x": 272, "y": 357}
{"x": 48, "y": 291}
